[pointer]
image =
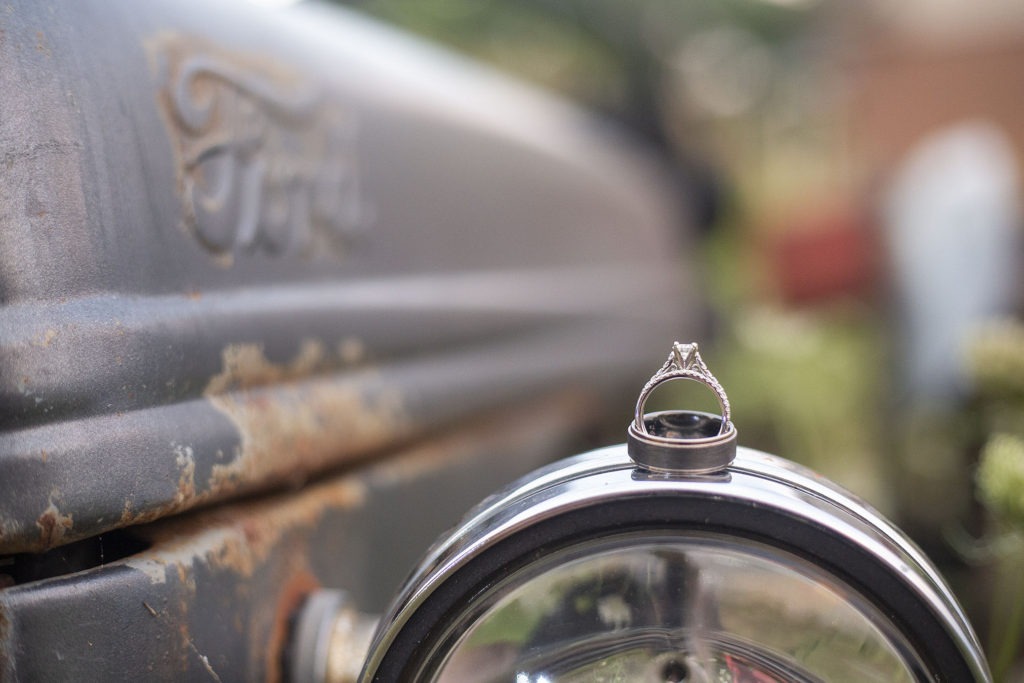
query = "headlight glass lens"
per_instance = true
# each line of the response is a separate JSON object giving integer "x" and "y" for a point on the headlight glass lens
{"x": 655, "y": 607}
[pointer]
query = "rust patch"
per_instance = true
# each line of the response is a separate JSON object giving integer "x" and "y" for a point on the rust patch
{"x": 301, "y": 584}
{"x": 260, "y": 548}
{"x": 240, "y": 540}
{"x": 53, "y": 526}
{"x": 289, "y": 425}
{"x": 293, "y": 427}
{"x": 5, "y": 642}
{"x": 126, "y": 514}
{"x": 246, "y": 367}
{"x": 239, "y": 537}
{"x": 185, "y": 459}
{"x": 351, "y": 350}
{"x": 41, "y": 44}
{"x": 44, "y": 339}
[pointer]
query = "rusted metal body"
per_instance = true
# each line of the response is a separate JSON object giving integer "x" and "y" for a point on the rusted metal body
{"x": 212, "y": 596}
{"x": 176, "y": 328}
{"x": 241, "y": 249}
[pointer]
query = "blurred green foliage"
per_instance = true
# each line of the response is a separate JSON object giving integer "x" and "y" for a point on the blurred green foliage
{"x": 1001, "y": 478}
{"x": 808, "y": 386}
{"x": 518, "y": 37}
{"x": 612, "y": 55}
{"x": 997, "y": 363}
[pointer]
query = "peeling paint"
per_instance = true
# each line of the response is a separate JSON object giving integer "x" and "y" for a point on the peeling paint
{"x": 245, "y": 366}
{"x": 126, "y": 513}
{"x": 239, "y": 537}
{"x": 186, "y": 462}
{"x": 296, "y": 427}
{"x": 53, "y": 525}
{"x": 155, "y": 570}
{"x": 248, "y": 565}
{"x": 292, "y": 419}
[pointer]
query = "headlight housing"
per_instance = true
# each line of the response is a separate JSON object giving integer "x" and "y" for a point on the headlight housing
{"x": 604, "y": 568}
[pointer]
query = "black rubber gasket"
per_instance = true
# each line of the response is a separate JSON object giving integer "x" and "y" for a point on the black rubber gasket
{"x": 681, "y": 512}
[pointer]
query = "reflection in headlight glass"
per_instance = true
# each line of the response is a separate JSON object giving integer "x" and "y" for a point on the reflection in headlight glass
{"x": 656, "y": 608}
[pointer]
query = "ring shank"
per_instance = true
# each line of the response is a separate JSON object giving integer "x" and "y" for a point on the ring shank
{"x": 692, "y": 375}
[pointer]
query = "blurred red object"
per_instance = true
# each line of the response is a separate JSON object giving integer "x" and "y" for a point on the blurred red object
{"x": 824, "y": 255}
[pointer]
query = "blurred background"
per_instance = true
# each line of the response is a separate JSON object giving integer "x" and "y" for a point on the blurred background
{"x": 853, "y": 170}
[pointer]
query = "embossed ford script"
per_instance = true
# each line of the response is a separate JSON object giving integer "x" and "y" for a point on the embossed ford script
{"x": 265, "y": 163}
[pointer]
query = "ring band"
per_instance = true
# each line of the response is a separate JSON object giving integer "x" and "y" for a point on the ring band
{"x": 684, "y": 362}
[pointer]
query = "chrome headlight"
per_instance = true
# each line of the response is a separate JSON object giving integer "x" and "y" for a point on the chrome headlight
{"x": 691, "y": 560}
